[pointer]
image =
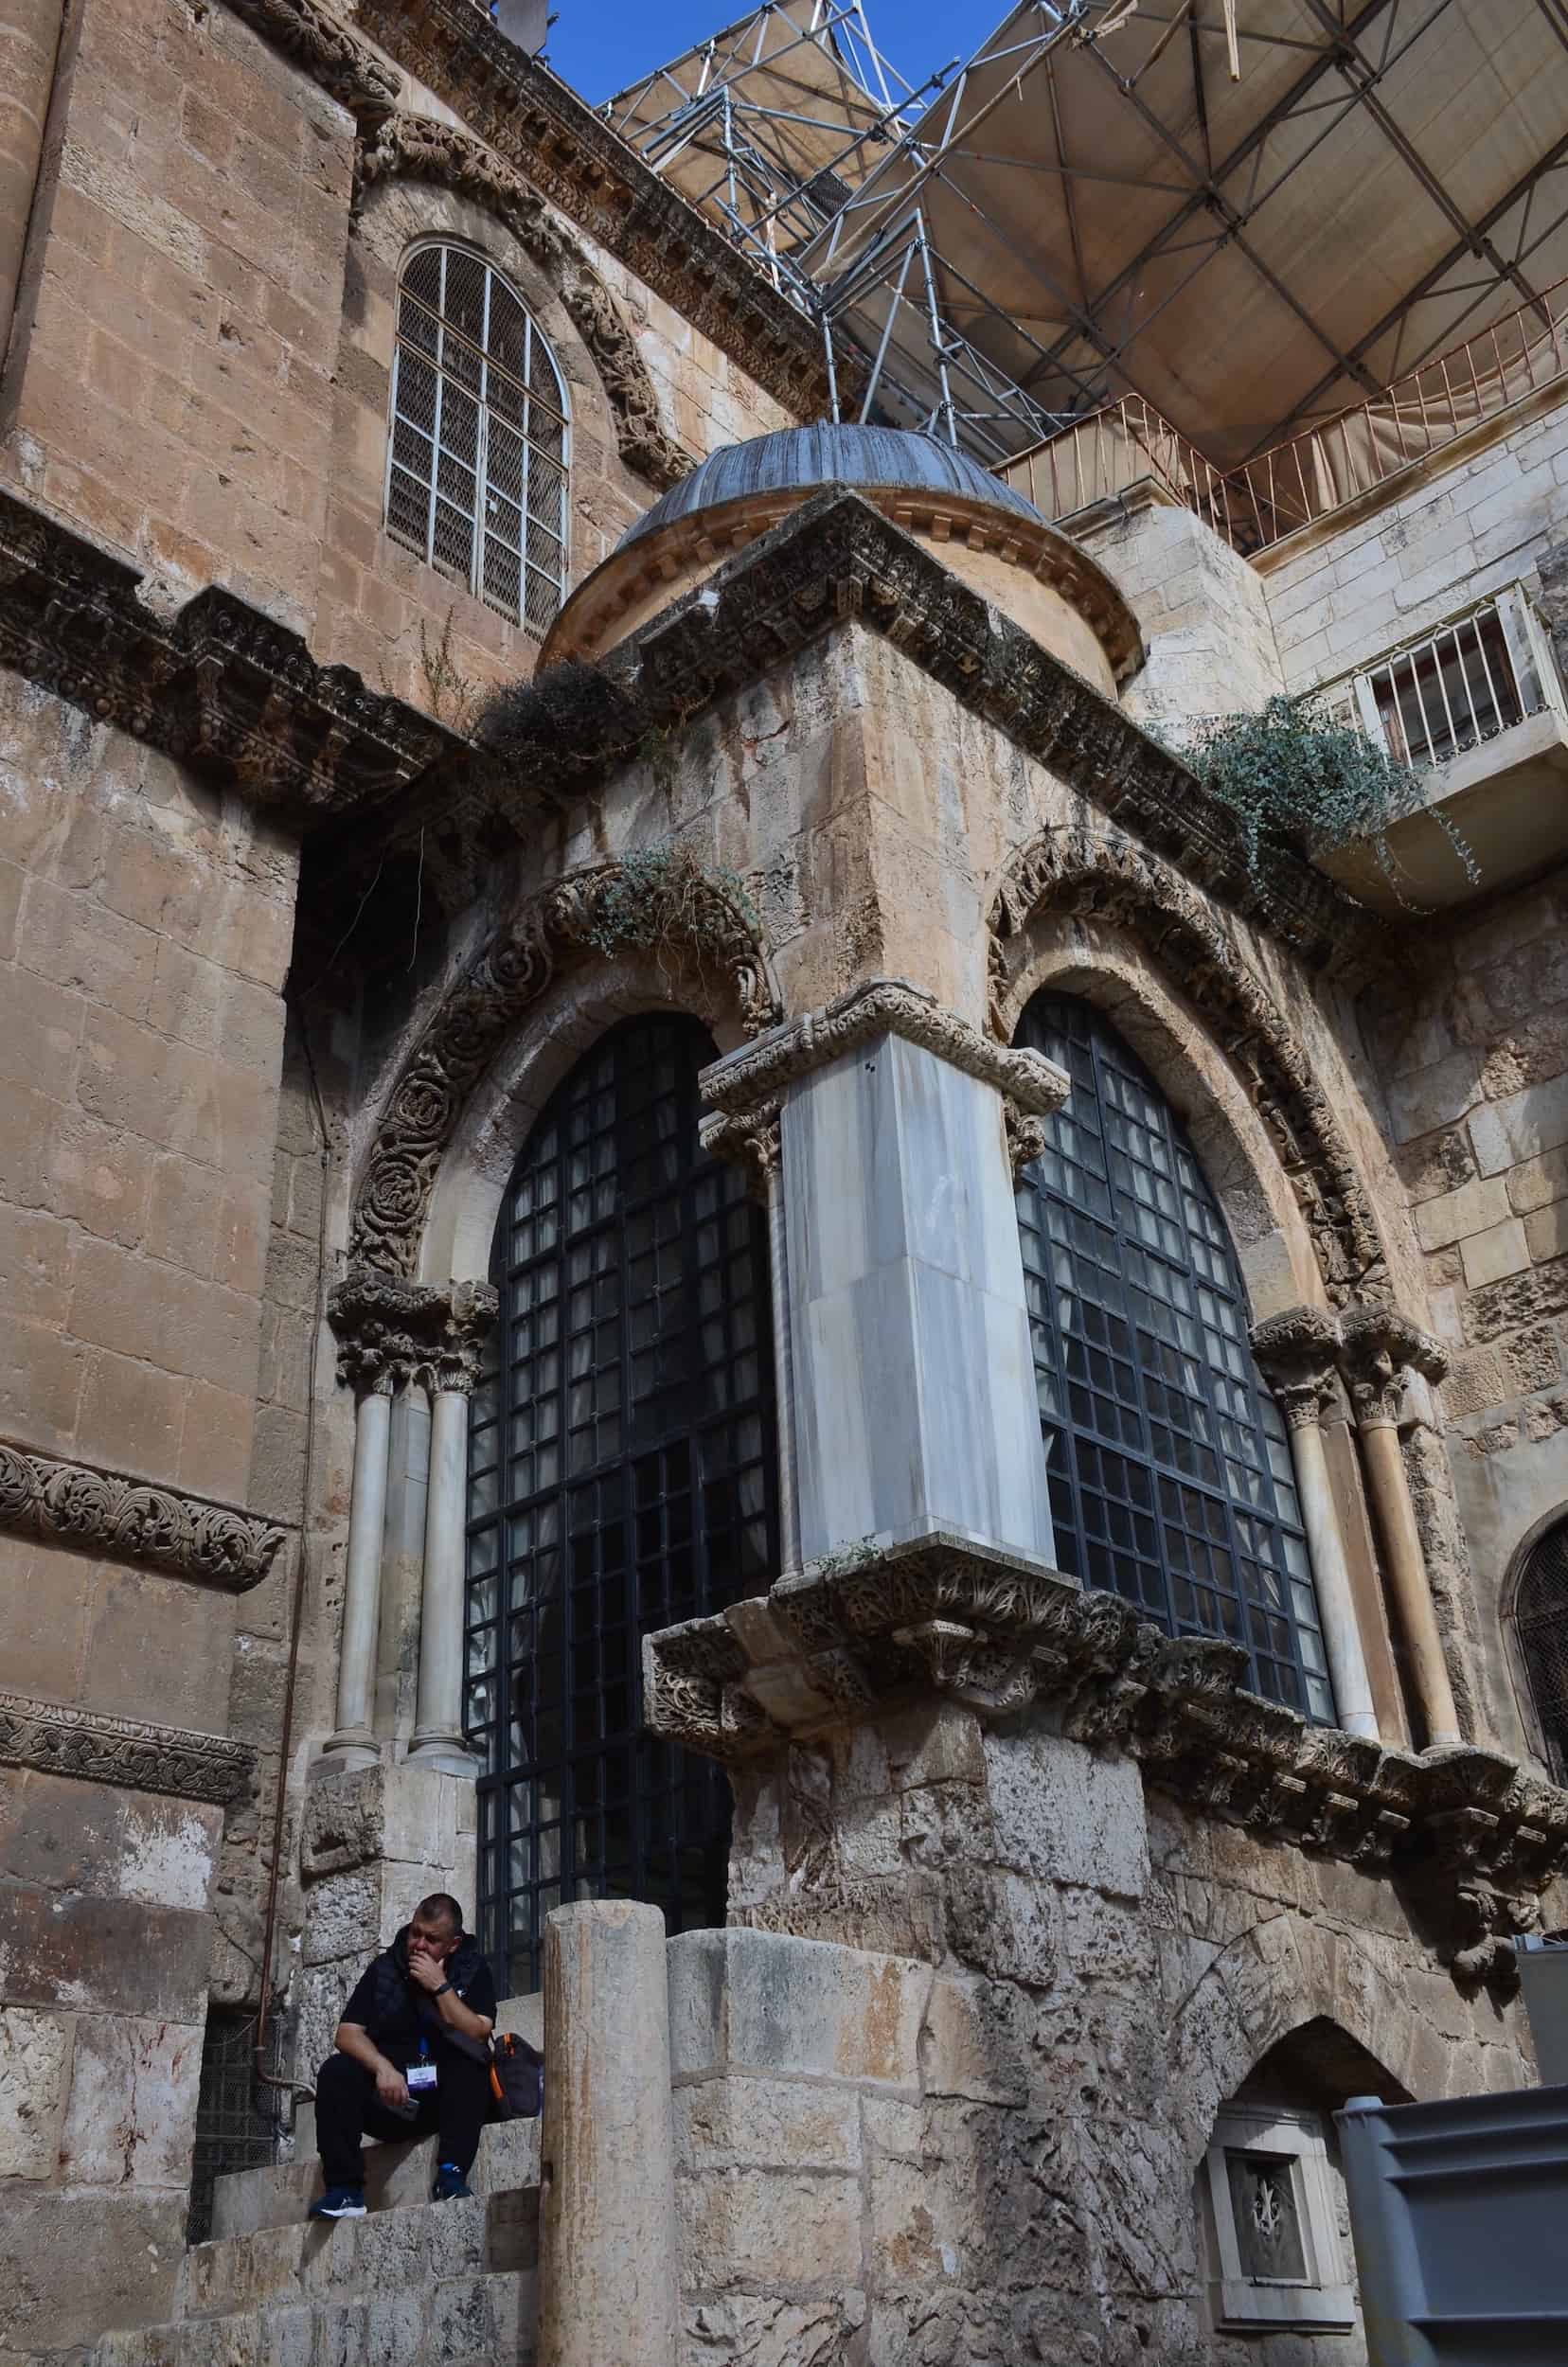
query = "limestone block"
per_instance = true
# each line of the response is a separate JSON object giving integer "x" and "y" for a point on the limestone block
{"x": 1064, "y": 1813}
{"x": 318, "y": 1995}
{"x": 132, "y": 2110}
{"x": 732, "y": 2123}
{"x": 135, "y": 2243}
{"x": 113, "y": 1954}
{"x": 758, "y": 2330}
{"x": 400, "y": 1812}
{"x": 1134, "y": 2195}
{"x": 342, "y": 1916}
{"x": 764, "y": 2002}
{"x": 34, "y": 2056}
{"x": 974, "y": 2042}
{"x": 935, "y": 1743}
{"x": 771, "y": 2227}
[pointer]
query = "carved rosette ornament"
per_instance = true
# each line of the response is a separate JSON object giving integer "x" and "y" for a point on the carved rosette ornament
{"x": 701, "y": 921}
{"x": 125, "y": 1519}
{"x": 390, "y": 1332}
{"x": 1296, "y": 1353}
{"x": 1379, "y": 1347}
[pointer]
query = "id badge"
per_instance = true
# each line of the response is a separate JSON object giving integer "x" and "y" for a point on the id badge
{"x": 419, "y": 2077}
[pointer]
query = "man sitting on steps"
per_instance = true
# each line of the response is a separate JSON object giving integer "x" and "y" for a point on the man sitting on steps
{"x": 413, "y": 2057}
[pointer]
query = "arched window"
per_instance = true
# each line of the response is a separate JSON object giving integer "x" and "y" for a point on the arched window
{"x": 622, "y": 1477}
{"x": 1169, "y": 1466}
{"x": 476, "y": 466}
{"x": 1541, "y": 1623}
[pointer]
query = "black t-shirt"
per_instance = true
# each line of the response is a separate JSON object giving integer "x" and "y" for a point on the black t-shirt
{"x": 398, "y": 2027}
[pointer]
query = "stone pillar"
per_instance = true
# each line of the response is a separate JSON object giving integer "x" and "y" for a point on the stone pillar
{"x": 914, "y": 1395}
{"x": 354, "y": 1742}
{"x": 439, "y": 1727}
{"x": 609, "y": 2262}
{"x": 1378, "y": 1347}
{"x": 1295, "y": 1352}
{"x": 29, "y": 45}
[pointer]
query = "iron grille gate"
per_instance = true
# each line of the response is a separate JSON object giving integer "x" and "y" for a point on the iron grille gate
{"x": 1169, "y": 1469}
{"x": 622, "y": 1478}
{"x": 237, "y": 2127}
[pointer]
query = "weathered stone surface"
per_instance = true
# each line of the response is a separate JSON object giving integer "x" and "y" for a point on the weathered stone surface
{"x": 1064, "y": 1815}
{"x": 733, "y": 2122}
{"x": 34, "y": 2074}
{"x": 133, "y": 2110}
{"x": 758, "y": 2002}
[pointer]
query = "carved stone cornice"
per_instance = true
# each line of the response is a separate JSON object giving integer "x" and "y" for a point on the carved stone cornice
{"x": 97, "y": 1748}
{"x": 221, "y": 686}
{"x": 1379, "y": 1347}
{"x": 391, "y": 1332}
{"x": 1101, "y": 874}
{"x": 545, "y": 131}
{"x": 117, "y": 1519}
{"x": 760, "y": 1071}
{"x": 1296, "y": 1353}
{"x": 1476, "y": 1836}
{"x": 417, "y": 147}
{"x": 695, "y": 916}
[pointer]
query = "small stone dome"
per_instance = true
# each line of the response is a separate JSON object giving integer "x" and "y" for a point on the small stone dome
{"x": 982, "y": 530}
{"x": 806, "y": 458}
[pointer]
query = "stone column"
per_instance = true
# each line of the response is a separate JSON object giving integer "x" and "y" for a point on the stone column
{"x": 451, "y": 1375}
{"x": 914, "y": 1394}
{"x": 609, "y": 2258}
{"x": 354, "y": 1742}
{"x": 1296, "y": 1353}
{"x": 29, "y": 44}
{"x": 1379, "y": 1347}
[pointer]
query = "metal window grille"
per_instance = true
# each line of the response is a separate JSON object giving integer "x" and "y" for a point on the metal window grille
{"x": 1451, "y": 691}
{"x": 1540, "y": 1614}
{"x": 237, "y": 2126}
{"x": 478, "y": 458}
{"x": 622, "y": 1477}
{"x": 1170, "y": 1467}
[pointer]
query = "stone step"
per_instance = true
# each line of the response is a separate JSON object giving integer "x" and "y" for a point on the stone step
{"x": 485, "y": 2320}
{"x": 386, "y": 2252}
{"x": 395, "y": 2176}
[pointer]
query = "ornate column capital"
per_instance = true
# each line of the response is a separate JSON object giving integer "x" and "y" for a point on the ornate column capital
{"x": 1296, "y": 1352}
{"x": 751, "y": 1137}
{"x": 1378, "y": 1347}
{"x": 390, "y": 1332}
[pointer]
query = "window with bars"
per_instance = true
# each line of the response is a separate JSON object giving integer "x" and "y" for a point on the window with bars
{"x": 622, "y": 1477}
{"x": 1541, "y": 1624}
{"x": 478, "y": 458}
{"x": 1169, "y": 1466}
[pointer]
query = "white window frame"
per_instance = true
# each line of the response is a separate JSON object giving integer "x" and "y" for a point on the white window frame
{"x": 1324, "y": 2299}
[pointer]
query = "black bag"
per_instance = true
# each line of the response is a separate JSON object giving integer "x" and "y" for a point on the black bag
{"x": 517, "y": 2079}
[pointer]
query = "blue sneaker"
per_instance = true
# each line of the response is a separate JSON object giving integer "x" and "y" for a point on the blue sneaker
{"x": 339, "y": 2202}
{"x": 450, "y": 2183}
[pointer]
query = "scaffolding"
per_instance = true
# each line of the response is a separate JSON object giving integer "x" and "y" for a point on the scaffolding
{"x": 1250, "y": 215}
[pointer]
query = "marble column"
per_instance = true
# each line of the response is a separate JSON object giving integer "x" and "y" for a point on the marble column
{"x": 609, "y": 2293}
{"x": 915, "y": 1410}
{"x": 355, "y": 1743}
{"x": 1296, "y": 1353}
{"x": 450, "y": 1376}
{"x": 1379, "y": 1347}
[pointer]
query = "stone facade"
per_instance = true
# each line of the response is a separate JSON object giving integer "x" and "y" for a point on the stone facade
{"x": 1022, "y": 1893}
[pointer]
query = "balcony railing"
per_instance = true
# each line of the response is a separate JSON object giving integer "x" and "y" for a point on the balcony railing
{"x": 1475, "y": 677}
{"x": 1312, "y": 475}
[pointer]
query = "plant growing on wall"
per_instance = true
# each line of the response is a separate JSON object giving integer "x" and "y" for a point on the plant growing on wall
{"x": 1293, "y": 776}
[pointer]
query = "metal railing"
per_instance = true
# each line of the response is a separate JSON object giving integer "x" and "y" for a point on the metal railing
{"x": 1318, "y": 472}
{"x": 1449, "y": 692}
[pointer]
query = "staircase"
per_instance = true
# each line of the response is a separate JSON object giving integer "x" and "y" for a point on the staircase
{"x": 414, "y": 2282}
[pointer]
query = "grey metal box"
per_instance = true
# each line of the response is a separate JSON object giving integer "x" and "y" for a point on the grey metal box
{"x": 1543, "y": 1976}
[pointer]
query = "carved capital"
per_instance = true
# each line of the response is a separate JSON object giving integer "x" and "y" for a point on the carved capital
{"x": 129, "y": 1752}
{"x": 1379, "y": 1347}
{"x": 390, "y": 1332}
{"x": 125, "y": 1519}
{"x": 1296, "y": 1353}
{"x": 752, "y": 1138}
{"x": 1025, "y": 1135}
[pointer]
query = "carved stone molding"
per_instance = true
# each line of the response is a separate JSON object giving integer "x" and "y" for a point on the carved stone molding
{"x": 760, "y": 1071}
{"x": 97, "y": 1749}
{"x": 1025, "y": 1135}
{"x": 1103, "y": 875}
{"x": 416, "y": 148}
{"x": 580, "y": 911}
{"x": 1296, "y": 1353}
{"x": 390, "y": 1332}
{"x": 752, "y": 1138}
{"x": 222, "y": 687}
{"x": 118, "y": 1519}
{"x": 1379, "y": 1347}
{"x": 547, "y": 133}
{"x": 1473, "y": 1834}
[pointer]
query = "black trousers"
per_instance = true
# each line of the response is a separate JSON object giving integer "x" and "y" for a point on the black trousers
{"x": 348, "y": 2109}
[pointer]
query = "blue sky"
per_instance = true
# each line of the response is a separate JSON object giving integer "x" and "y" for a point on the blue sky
{"x": 600, "y": 45}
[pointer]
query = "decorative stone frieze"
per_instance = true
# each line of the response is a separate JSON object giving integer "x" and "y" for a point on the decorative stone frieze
{"x": 390, "y": 1332}
{"x": 116, "y": 1518}
{"x": 1296, "y": 1354}
{"x": 416, "y": 148}
{"x": 345, "y": 68}
{"x": 129, "y": 1752}
{"x": 1380, "y": 1347}
{"x": 1476, "y": 1834}
{"x": 1106, "y": 876}
{"x": 704, "y": 921}
{"x": 222, "y": 687}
